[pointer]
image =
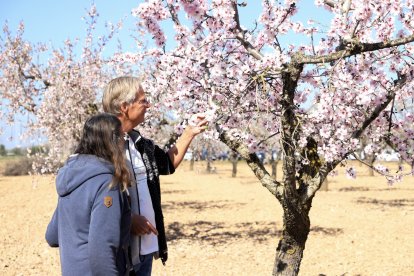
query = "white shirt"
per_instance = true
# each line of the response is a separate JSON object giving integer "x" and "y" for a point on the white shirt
{"x": 149, "y": 242}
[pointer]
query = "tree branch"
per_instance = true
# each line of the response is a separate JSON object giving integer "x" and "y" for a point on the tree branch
{"x": 309, "y": 177}
{"x": 254, "y": 163}
{"x": 267, "y": 138}
{"x": 174, "y": 15}
{"x": 240, "y": 35}
{"x": 354, "y": 48}
{"x": 374, "y": 115}
{"x": 387, "y": 175}
{"x": 330, "y": 3}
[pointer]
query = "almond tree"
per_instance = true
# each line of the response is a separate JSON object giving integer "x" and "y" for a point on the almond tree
{"x": 57, "y": 88}
{"x": 349, "y": 79}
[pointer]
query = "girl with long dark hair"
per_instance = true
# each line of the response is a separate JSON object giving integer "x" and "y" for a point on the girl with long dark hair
{"x": 91, "y": 223}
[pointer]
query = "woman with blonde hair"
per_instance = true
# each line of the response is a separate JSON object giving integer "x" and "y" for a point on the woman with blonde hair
{"x": 125, "y": 98}
{"x": 91, "y": 223}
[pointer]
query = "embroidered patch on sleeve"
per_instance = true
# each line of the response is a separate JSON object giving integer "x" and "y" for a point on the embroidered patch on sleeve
{"x": 108, "y": 201}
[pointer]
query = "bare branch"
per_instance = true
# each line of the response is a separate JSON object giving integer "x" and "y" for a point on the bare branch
{"x": 354, "y": 48}
{"x": 236, "y": 14}
{"x": 391, "y": 113}
{"x": 174, "y": 15}
{"x": 240, "y": 33}
{"x": 346, "y": 6}
{"x": 254, "y": 163}
{"x": 267, "y": 138}
{"x": 240, "y": 36}
{"x": 313, "y": 185}
{"x": 355, "y": 28}
{"x": 330, "y": 3}
{"x": 46, "y": 83}
{"x": 248, "y": 46}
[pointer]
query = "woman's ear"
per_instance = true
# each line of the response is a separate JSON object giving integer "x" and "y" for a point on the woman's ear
{"x": 124, "y": 109}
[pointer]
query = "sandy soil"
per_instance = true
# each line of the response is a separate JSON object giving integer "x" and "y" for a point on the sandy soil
{"x": 219, "y": 225}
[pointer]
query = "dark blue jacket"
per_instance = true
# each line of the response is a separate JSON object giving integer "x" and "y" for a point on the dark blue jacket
{"x": 91, "y": 223}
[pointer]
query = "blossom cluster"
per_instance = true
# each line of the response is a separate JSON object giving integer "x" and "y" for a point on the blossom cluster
{"x": 211, "y": 68}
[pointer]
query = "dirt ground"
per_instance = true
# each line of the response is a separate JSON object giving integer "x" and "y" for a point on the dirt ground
{"x": 219, "y": 225}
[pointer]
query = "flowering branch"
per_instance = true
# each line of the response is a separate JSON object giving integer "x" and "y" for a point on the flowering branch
{"x": 377, "y": 111}
{"x": 383, "y": 171}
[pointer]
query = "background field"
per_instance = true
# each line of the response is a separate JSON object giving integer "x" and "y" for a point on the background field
{"x": 219, "y": 225}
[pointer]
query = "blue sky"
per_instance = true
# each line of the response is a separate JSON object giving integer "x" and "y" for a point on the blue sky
{"x": 53, "y": 21}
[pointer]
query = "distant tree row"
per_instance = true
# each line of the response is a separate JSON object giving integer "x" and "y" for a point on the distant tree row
{"x": 19, "y": 151}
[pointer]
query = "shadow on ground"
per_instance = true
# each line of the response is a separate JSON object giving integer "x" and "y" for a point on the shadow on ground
{"x": 354, "y": 189}
{"x": 175, "y": 192}
{"x": 216, "y": 233}
{"x": 197, "y": 205}
{"x": 219, "y": 233}
{"x": 386, "y": 203}
{"x": 327, "y": 231}
{"x": 366, "y": 189}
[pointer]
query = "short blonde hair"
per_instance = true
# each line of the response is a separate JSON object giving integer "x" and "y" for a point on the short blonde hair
{"x": 118, "y": 91}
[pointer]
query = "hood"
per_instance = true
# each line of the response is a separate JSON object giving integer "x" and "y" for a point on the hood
{"x": 78, "y": 169}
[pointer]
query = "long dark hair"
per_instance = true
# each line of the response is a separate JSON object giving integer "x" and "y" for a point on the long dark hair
{"x": 102, "y": 137}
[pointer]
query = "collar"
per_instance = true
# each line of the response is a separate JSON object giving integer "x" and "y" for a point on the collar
{"x": 134, "y": 135}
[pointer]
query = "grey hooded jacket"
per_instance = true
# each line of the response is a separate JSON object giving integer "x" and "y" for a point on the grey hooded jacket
{"x": 91, "y": 222}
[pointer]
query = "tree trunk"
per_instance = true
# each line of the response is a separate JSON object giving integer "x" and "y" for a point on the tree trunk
{"x": 412, "y": 168}
{"x": 289, "y": 252}
{"x": 192, "y": 163}
{"x": 234, "y": 170}
{"x": 289, "y": 255}
{"x": 208, "y": 165}
{"x": 208, "y": 158}
{"x": 274, "y": 166}
{"x": 370, "y": 171}
{"x": 371, "y": 159}
{"x": 234, "y": 159}
{"x": 296, "y": 203}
